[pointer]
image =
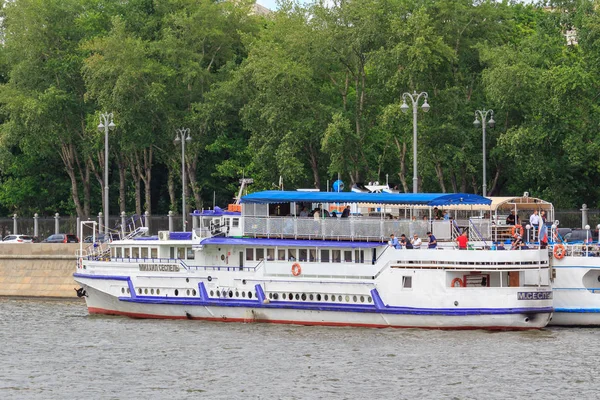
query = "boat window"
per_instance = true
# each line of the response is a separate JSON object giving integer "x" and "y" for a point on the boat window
{"x": 324, "y": 255}
{"x": 206, "y": 222}
{"x": 135, "y": 252}
{"x": 181, "y": 252}
{"x": 336, "y": 256}
{"x": 126, "y": 252}
{"x": 407, "y": 282}
{"x": 144, "y": 252}
{"x": 292, "y": 255}
{"x": 236, "y": 222}
{"x": 171, "y": 252}
{"x": 260, "y": 254}
{"x": 302, "y": 255}
{"x": 347, "y": 255}
{"x": 359, "y": 256}
{"x": 270, "y": 254}
{"x": 281, "y": 254}
{"x": 249, "y": 254}
{"x": 312, "y": 253}
{"x": 190, "y": 253}
{"x": 119, "y": 251}
{"x": 227, "y": 221}
{"x": 154, "y": 252}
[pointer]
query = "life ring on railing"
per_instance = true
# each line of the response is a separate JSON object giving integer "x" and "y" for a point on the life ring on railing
{"x": 296, "y": 269}
{"x": 519, "y": 228}
{"x": 459, "y": 281}
{"x": 559, "y": 251}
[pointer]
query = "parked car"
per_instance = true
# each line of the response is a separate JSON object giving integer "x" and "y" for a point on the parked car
{"x": 18, "y": 239}
{"x": 581, "y": 235}
{"x": 62, "y": 238}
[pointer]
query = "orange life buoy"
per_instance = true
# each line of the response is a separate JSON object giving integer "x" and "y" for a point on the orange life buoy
{"x": 459, "y": 281}
{"x": 519, "y": 228}
{"x": 296, "y": 269}
{"x": 559, "y": 251}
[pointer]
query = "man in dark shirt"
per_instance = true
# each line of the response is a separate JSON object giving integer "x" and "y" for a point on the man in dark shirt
{"x": 405, "y": 242}
{"x": 346, "y": 212}
{"x": 432, "y": 241}
{"x": 512, "y": 218}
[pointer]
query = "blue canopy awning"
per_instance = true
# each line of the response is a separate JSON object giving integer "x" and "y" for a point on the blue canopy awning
{"x": 417, "y": 199}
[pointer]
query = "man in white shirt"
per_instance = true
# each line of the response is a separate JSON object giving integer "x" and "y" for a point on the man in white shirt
{"x": 416, "y": 242}
{"x": 534, "y": 220}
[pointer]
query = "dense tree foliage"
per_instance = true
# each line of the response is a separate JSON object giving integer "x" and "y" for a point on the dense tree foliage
{"x": 305, "y": 94}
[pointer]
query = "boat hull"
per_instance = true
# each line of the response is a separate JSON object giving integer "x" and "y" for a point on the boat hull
{"x": 576, "y": 291}
{"x": 99, "y": 302}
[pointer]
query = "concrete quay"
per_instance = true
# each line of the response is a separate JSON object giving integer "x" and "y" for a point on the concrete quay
{"x": 38, "y": 269}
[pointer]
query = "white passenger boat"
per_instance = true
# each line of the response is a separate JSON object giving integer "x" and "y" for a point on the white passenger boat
{"x": 269, "y": 264}
{"x": 575, "y": 267}
{"x": 576, "y": 284}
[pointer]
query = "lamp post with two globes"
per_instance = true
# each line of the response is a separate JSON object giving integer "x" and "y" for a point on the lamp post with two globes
{"x": 106, "y": 124}
{"x": 414, "y": 97}
{"x": 182, "y": 135}
{"x": 483, "y": 114}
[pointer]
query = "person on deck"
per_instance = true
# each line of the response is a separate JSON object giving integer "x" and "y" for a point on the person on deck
{"x": 463, "y": 241}
{"x": 304, "y": 212}
{"x": 394, "y": 242}
{"x": 346, "y": 212}
{"x": 534, "y": 219}
{"x": 512, "y": 219}
{"x": 432, "y": 241}
{"x": 518, "y": 243}
{"x": 416, "y": 241}
{"x": 405, "y": 242}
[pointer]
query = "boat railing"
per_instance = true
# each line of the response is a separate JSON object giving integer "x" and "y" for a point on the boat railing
{"x": 478, "y": 228}
{"x": 355, "y": 228}
{"x": 145, "y": 260}
{"x": 359, "y": 228}
{"x": 203, "y": 233}
{"x": 183, "y": 264}
{"x": 582, "y": 249}
{"x": 260, "y": 264}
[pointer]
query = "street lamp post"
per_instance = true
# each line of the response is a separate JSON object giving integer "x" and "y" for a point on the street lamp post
{"x": 106, "y": 124}
{"x": 183, "y": 135}
{"x": 483, "y": 114}
{"x": 414, "y": 97}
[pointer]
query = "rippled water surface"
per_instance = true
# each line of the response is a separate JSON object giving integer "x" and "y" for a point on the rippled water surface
{"x": 54, "y": 350}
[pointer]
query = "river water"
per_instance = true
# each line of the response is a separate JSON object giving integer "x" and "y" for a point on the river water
{"x": 52, "y": 349}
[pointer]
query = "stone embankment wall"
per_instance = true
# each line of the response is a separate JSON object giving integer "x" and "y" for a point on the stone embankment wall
{"x": 37, "y": 269}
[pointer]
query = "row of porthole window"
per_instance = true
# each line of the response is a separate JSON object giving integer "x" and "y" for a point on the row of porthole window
{"x": 319, "y": 297}
{"x": 151, "y": 291}
{"x": 272, "y": 296}
{"x": 231, "y": 293}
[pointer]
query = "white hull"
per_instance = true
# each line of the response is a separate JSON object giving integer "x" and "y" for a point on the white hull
{"x": 577, "y": 291}
{"x": 99, "y": 303}
{"x": 369, "y": 295}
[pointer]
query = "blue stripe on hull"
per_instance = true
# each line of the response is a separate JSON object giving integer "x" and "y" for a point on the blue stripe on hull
{"x": 577, "y": 310}
{"x": 354, "y": 308}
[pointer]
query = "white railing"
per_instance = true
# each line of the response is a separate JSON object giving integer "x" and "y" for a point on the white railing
{"x": 364, "y": 228}
{"x": 341, "y": 228}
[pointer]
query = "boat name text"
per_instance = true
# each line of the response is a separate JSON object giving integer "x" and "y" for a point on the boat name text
{"x": 159, "y": 267}
{"x": 534, "y": 295}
